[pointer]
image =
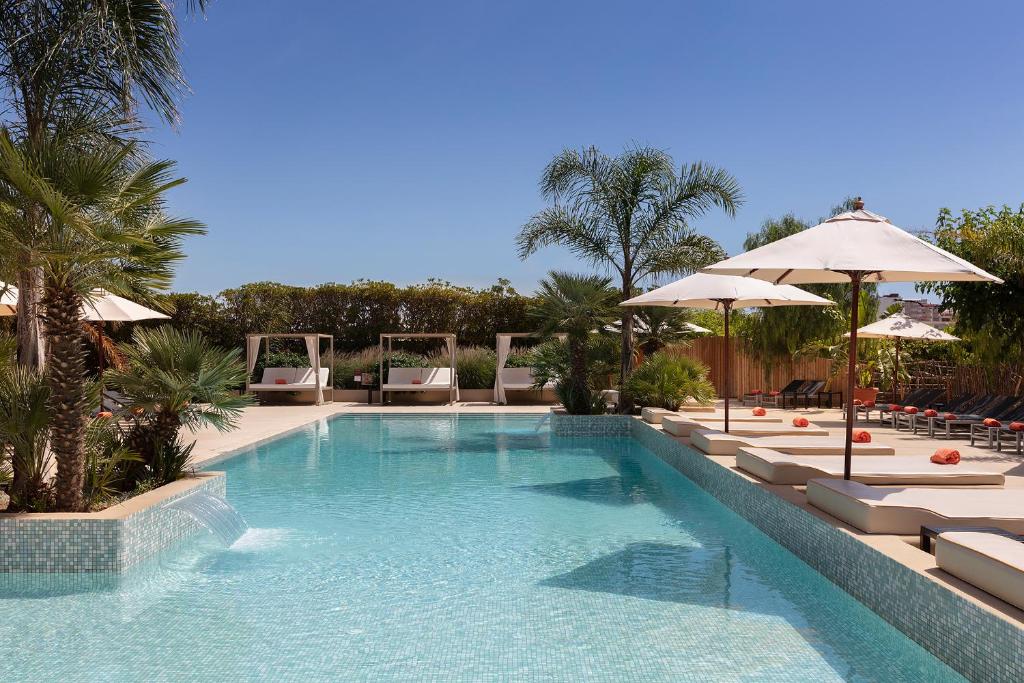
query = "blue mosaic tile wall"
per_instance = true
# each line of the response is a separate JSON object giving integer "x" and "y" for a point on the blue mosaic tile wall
{"x": 976, "y": 643}
{"x": 38, "y": 544}
{"x": 590, "y": 425}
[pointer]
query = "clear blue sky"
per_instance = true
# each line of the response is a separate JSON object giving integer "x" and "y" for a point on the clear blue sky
{"x": 329, "y": 141}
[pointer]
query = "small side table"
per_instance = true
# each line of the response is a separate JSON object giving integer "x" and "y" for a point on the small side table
{"x": 368, "y": 381}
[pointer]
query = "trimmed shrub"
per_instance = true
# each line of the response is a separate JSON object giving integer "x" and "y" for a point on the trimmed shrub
{"x": 666, "y": 380}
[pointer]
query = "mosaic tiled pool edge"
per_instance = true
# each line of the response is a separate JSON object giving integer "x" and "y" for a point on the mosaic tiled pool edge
{"x": 971, "y": 640}
{"x": 97, "y": 543}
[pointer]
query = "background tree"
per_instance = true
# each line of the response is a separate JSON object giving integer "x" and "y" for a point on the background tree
{"x": 64, "y": 66}
{"x": 576, "y": 306}
{"x": 990, "y": 318}
{"x": 629, "y": 214}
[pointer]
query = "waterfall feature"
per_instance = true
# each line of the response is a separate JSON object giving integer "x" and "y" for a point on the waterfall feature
{"x": 541, "y": 422}
{"x": 213, "y": 512}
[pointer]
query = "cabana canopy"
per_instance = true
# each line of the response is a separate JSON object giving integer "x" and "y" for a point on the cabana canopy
{"x": 452, "y": 383}
{"x": 312, "y": 339}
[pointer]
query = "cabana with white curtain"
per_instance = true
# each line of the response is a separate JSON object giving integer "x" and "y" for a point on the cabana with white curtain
{"x": 512, "y": 379}
{"x": 314, "y": 378}
{"x": 417, "y": 379}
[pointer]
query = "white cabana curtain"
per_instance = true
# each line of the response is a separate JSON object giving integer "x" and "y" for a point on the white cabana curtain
{"x": 455, "y": 372}
{"x": 313, "y": 349}
{"x": 504, "y": 346}
{"x": 252, "y": 352}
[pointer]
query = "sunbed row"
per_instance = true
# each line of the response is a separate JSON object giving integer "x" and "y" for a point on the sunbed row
{"x": 974, "y": 520}
{"x": 791, "y": 395}
{"x": 986, "y": 418}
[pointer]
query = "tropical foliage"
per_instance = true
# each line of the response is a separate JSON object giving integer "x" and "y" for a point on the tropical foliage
{"x": 630, "y": 215}
{"x": 659, "y": 326}
{"x": 667, "y": 380}
{"x": 575, "y": 306}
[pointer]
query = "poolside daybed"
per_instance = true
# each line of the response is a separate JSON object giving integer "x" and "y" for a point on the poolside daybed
{"x": 714, "y": 442}
{"x": 681, "y": 425}
{"x": 990, "y": 561}
{"x": 904, "y": 510}
{"x": 418, "y": 379}
{"x": 786, "y": 468}
{"x": 314, "y": 378}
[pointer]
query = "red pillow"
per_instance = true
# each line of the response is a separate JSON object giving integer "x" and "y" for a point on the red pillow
{"x": 910, "y": 410}
{"x": 1017, "y": 426}
{"x": 755, "y": 392}
{"x": 869, "y": 404}
{"x": 800, "y": 422}
{"x": 759, "y": 412}
{"x": 104, "y": 414}
{"x": 280, "y": 380}
{"x": 861, "y": 436}
{"x": 931, "y": 413}
{"x": 417, "y": 381}
{"x": 895, "y": 408}
{"x": 774, "y": 393}
{"x": 949, "y": 416}
{"x": 946, "y": 456}
{"x": 991, "y": 422}
{"x": 858, "y": 402}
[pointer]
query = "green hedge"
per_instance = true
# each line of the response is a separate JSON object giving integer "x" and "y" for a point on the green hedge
{"x": 356, "y": 314}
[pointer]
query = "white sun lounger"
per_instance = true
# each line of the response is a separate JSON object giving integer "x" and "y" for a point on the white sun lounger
{"x": 418, "y": 379}
{"x": 294, "y": 379}
{"x": 992, "y": 562}
{"x": 787, "y": 468}
{"x": 681, "y": 425}
{"x": 520, "y": 379}
{"x": 902, "y": 510}
{"x": 714, "y": 442}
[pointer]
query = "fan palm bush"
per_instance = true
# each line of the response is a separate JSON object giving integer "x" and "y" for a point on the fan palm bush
{"x": 576, "y": 306}
{"x": 666, "y": 380}
{"x": 174, "y": 379}
{"x": 24, "y": 430}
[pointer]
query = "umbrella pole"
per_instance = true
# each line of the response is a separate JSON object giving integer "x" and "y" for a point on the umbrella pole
{"x": 896, "y": 374}
{"x": 851, "y": 371}
{"x": 726, "y": 305}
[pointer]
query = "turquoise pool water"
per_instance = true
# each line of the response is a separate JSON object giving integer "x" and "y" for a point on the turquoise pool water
{"x": 457, "y": 548}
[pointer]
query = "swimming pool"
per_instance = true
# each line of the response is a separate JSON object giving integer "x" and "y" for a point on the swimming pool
{"x": 457, "y": 548}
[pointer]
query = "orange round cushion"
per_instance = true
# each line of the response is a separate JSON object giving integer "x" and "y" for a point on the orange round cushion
{"x": 893, "y": 407}
{"x": 869, "y": 404}
{"x": 861, "y": 436}
{"x": 946, "y": 456}
{"x": 931, "y": 413}
{"x": 1017, "y": 426}
{"x": 755, "y": 392}
{"x": 759, "y": 412}
{"x": 949, "y": 416}
{"x": 800, "y": 422}
{"x": 858, "y": 402}
{"x": 991, "y": 422}
{"x": 910, "y": 410}
{"x": 104, "y": 414}
{"x": 280, "y": 380}
{"x": 774, "y": 393}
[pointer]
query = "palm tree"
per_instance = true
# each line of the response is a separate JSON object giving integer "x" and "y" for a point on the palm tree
{"x": 661, "y": 326}
{"x": 104, "y": 227}
{"x": 69, "y": 65}
{"x": 24, "y": 429}
{"x": 629, "y": 214}
{"x": 173, "y": 379}
{"x": 576, "y": 306}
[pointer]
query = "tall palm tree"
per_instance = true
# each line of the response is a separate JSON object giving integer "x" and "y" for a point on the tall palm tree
{"x": 104, "y": 227}
{"x": 629, "y": 214}
{"x": 576, "y": 306}
{"x": 69, "y": 64}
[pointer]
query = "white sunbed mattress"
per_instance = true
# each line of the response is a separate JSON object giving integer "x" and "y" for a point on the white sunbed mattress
{"x": 993, "y": 563}
{"x": 682, "y": 425}
{"x": 904, "y": 510}
{"x": 787, "y": 468}
{"x": 714, "y": 442}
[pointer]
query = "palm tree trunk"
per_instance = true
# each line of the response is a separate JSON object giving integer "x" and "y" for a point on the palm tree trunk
{"x": 625, "y": 401}
{"x": 30, "y": 341}
{"x": 68, "y": 399}
{"x": 580, "y": 381}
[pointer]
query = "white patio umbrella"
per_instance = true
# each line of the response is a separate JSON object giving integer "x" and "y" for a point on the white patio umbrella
{"x": 856, "y": 246}
{"x": 103, "y": 307}
{"x": 901, "y": 326}
{"x": 724, "y": 293}
{"x": 8, "y": 299}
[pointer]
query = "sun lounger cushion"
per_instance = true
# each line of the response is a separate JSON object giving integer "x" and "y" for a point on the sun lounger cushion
{"x": 795, "y": 470}
{"x": 418, "y": 379}
{"x": 654, "y": 416}
{"x": 289, "y": 379}
{"x": 520, "y": 379}
{"x": 681, "y": 425}
{"x": 899, "y": 510}
{"x": 993, "y": 563}
{"x": 718, "y": 443}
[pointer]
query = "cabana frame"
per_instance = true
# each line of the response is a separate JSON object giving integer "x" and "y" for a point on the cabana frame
{"x": 499, "y": 389}
{"x": 253, "y": 341}
{"x": 453, "y": 380}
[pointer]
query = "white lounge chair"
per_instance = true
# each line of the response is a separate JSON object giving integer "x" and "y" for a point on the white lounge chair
{"x": 682, "y": 425}
{"x": 290, "y": 379}
{"x": 992, "y": 562}
{"x": 902, "y": 510}
{"x": 714, "y": 442}
{"x": 521, "y": 379}
{"x": 787, "y": 468}
{"x": 419, "y": 379}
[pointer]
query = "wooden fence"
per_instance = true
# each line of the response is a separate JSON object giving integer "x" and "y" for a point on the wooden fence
{"x": 748, "y": 374}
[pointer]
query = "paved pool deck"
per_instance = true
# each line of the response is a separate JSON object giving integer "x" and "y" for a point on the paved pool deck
{"x": 263, "y": 423}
